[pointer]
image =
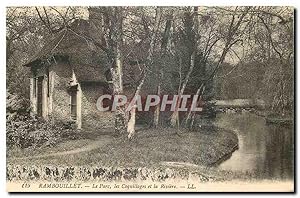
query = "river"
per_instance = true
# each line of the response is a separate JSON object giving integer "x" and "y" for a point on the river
{"x": 265, "y": 151}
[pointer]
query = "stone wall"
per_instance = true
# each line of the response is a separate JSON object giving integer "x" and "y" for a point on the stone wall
{"x": 92, "y": 118}
{"x": 58, "y": 100}
{"x": 62, "y": 75}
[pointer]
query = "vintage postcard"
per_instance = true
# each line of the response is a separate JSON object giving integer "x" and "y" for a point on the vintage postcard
{"x": 150, "y": 99}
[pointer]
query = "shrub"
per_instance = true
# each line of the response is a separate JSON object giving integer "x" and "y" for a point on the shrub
{"x": 24, "y": 130}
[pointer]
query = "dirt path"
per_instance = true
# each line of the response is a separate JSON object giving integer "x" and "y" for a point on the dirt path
{"x": 92, "y": 146}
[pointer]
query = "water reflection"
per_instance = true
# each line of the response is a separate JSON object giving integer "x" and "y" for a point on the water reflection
{"x": 265, "y": 150}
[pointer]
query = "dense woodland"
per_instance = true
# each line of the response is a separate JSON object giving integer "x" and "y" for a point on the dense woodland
{"x": 214, "y": 52}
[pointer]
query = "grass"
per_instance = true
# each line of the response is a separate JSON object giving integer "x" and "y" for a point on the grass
{"x": 150, "y": 147}
{"x": 31, "y": 151}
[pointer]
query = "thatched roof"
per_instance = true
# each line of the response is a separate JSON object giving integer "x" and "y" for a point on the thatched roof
{"x": 89, "y": 62}
{"x": 74, "y": 43}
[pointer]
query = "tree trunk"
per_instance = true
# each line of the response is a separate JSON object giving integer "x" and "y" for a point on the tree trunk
{"x": 116, "y": 67}
{"x": 157, "y": 108}
{"x": 164, "y": 45}
{"x": 120, "y": 117}
{"x": 175, "y": 115}
{"x": 132, "y": 119}
{"x": 188, "y": 121}
{"x": 131, "y": 123}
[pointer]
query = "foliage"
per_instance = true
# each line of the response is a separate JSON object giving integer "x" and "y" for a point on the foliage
{"x": 266, "y": 69}
{"x": 28, "y": 30}
{"x": 251, "y": 48}
{"x": 96, "y": 174}
{"x": 24, "y": 130}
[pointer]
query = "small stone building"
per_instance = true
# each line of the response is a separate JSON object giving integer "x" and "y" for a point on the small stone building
{"x": 67, "y": 78}
{"x": 71, "y": 72}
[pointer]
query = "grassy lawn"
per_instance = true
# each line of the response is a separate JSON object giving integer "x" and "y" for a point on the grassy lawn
{"x": 150, "y": 147}
{"x": 63, "y": 146}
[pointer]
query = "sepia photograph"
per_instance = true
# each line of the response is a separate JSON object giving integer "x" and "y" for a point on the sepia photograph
{"x": 150, "y": 98}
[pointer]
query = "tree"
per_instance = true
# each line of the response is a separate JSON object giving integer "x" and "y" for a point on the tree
{"x": 184, "y": 48}
{"x": 191, "y": 24}
{"x": 276, "y": 45}
{"x": 230, "y": 39}
{"x": 113, "y": 18}
{"x": 149, "y": 62}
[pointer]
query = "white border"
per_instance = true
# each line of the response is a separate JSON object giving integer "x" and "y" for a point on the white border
{"x": 153, "y": 2}
{"x": 294, "y": 3}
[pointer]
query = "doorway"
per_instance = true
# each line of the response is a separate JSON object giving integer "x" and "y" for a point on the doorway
{"x": 40, "y": 96}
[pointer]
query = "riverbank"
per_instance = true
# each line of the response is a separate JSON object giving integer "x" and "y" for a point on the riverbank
{"x": 149, "y": 150}
{"x": 265, "y": 150}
